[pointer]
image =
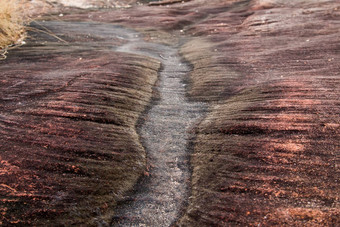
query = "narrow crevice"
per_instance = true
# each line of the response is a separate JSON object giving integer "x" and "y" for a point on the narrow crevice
{"x": 161, "y": 196}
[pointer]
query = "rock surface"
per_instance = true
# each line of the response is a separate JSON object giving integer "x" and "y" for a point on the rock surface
{"x": 69, "y": 146}
{"x": 268, "y": 151}
{"x": 266, "y": 154}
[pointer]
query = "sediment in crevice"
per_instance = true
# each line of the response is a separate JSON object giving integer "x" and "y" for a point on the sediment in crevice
{"x": 159, "y": 198}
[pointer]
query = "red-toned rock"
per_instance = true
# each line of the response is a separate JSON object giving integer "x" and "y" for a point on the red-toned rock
{"x": 69, "y": 146}
{"x": 265, "y": 154}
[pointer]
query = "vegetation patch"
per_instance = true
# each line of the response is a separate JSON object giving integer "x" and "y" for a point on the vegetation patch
{"x": 12, "y": 29}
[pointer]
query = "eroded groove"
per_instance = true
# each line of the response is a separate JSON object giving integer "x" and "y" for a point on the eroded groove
{"x": 161, "y": 196}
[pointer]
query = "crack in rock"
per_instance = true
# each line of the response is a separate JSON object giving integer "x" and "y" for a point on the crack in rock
{"x": 162, "y": 196}
{"x": 159, "y": 199}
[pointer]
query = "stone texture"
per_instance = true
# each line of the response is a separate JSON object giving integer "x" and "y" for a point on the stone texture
{"x": 267, "y": 152}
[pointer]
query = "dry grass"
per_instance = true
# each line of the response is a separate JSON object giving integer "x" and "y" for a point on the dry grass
{"x": 12, "y": 29}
